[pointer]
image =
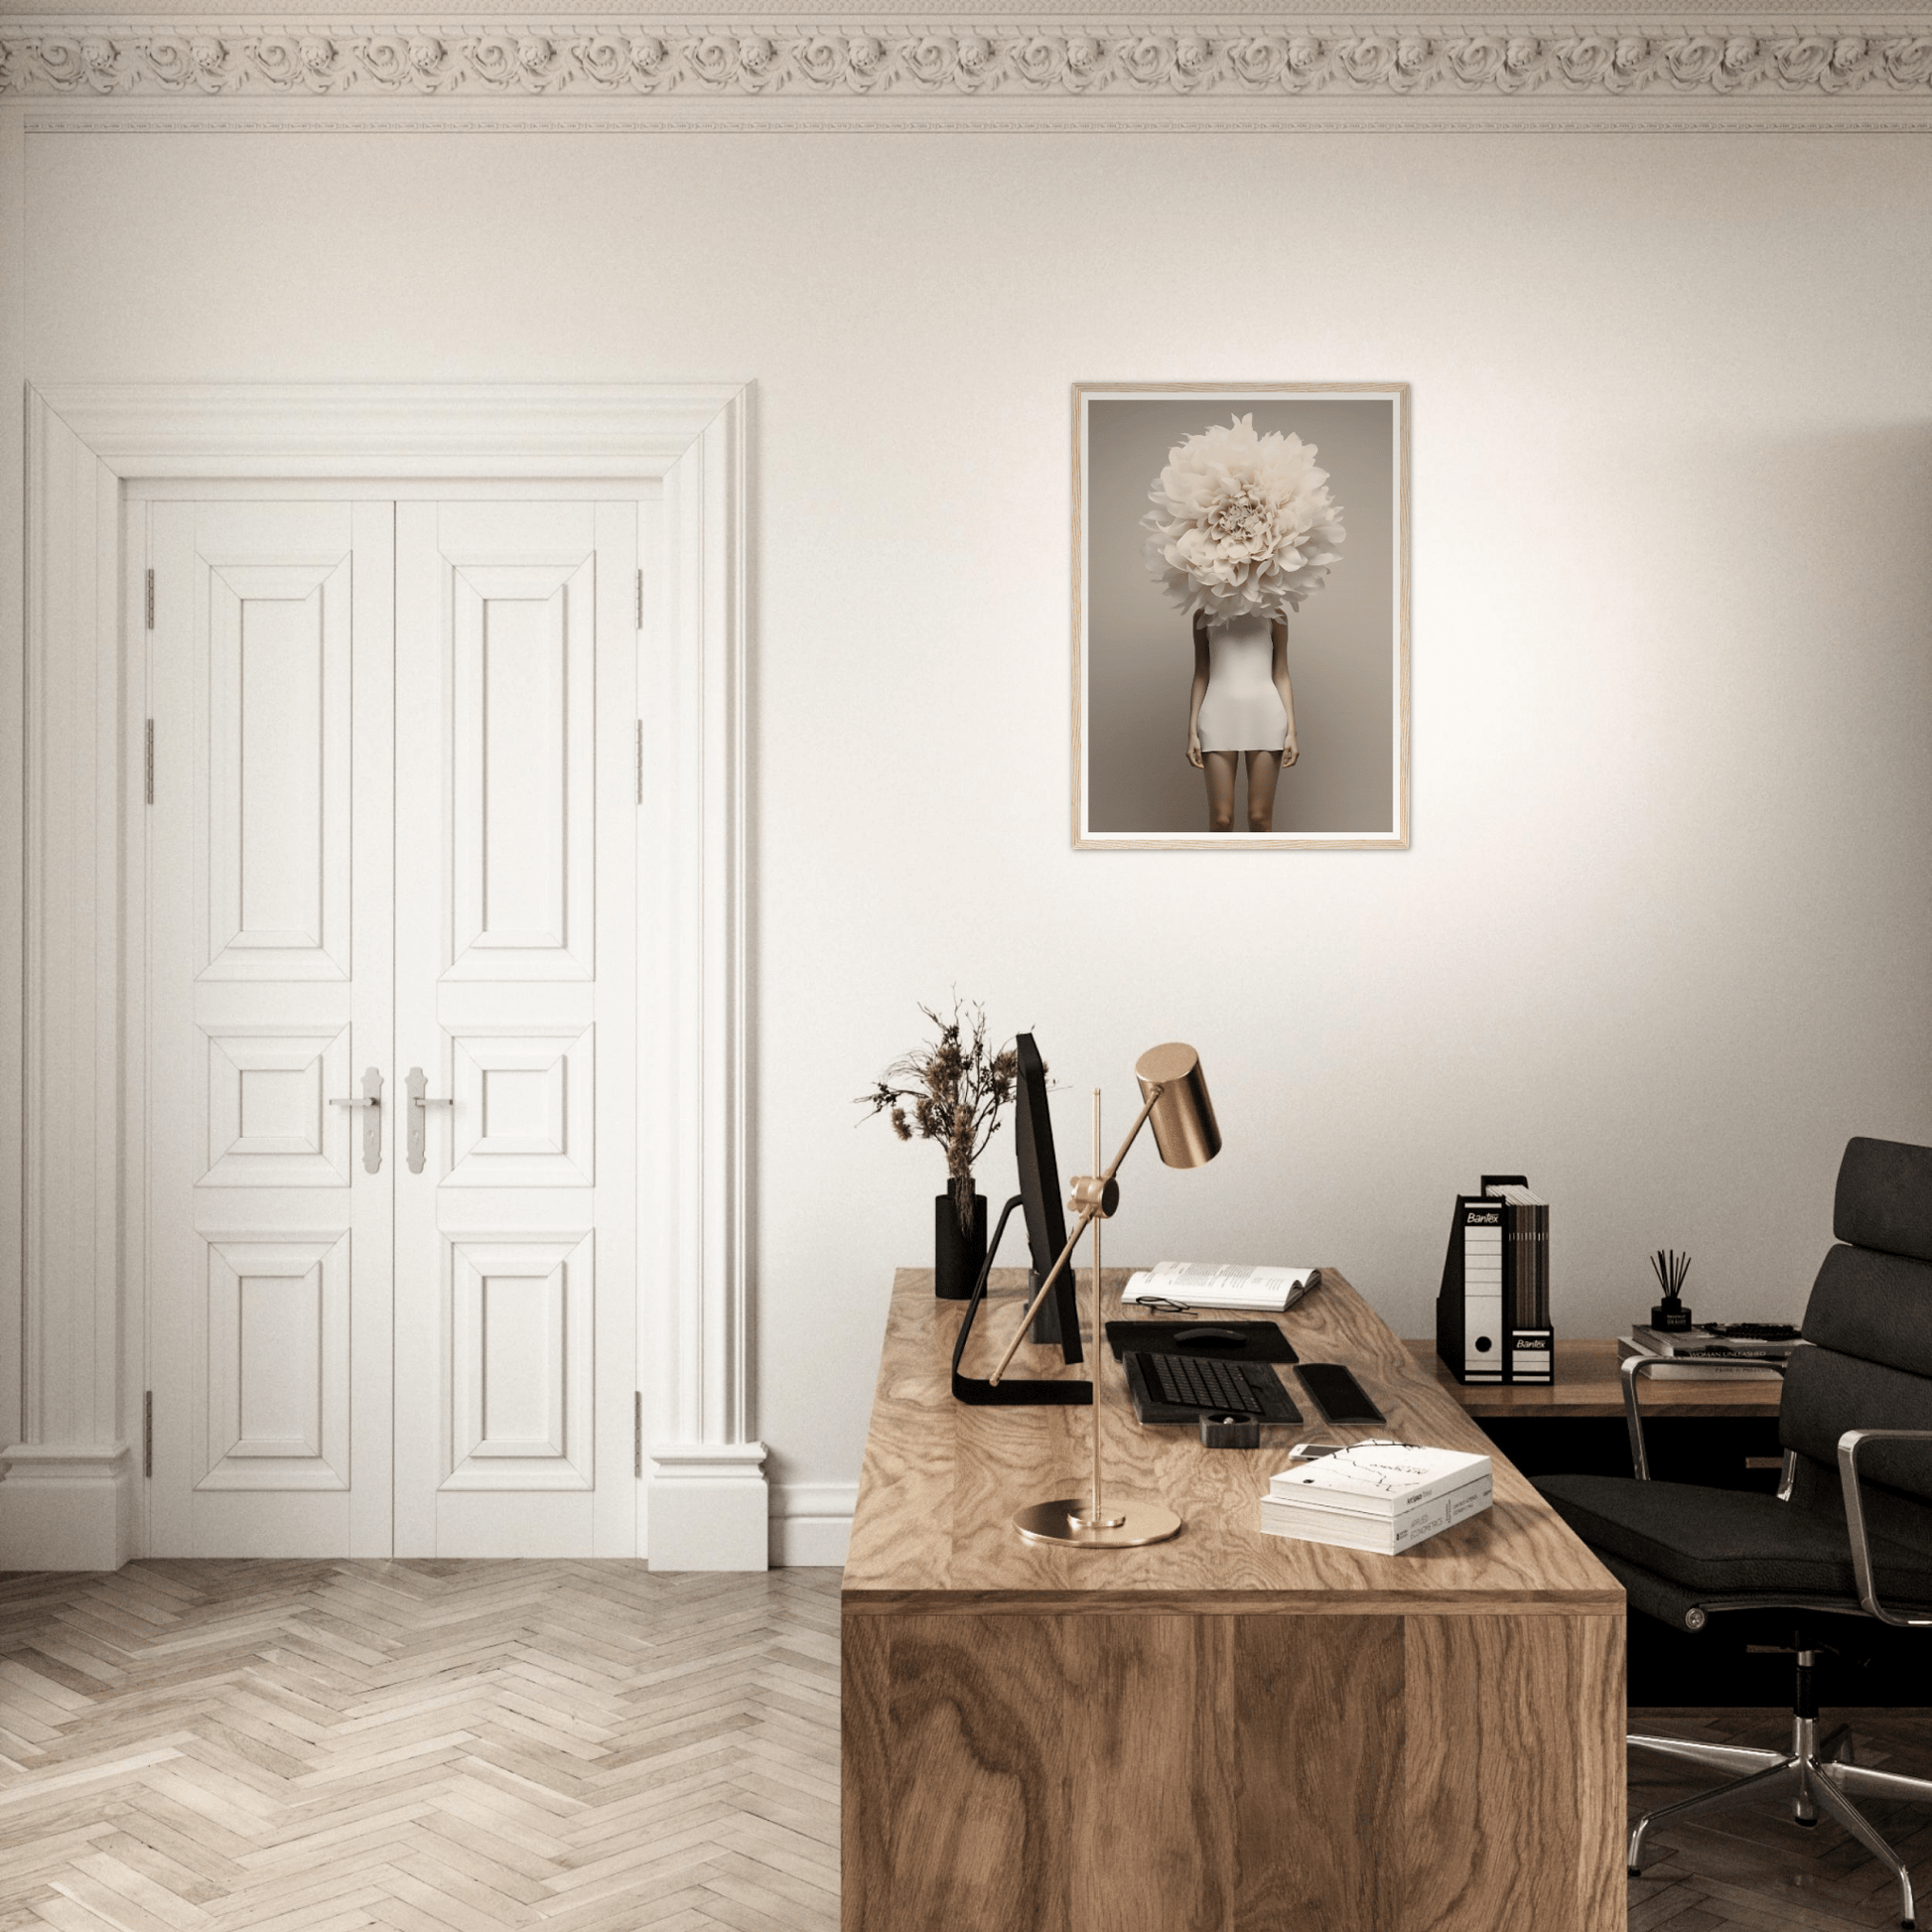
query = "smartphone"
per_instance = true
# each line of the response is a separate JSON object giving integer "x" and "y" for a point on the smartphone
{"x": 1341, "y": 1398}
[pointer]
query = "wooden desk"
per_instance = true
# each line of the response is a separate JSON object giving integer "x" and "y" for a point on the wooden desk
{"x": 1228, "y": 1730}
{"x": 1587, "y": 1385}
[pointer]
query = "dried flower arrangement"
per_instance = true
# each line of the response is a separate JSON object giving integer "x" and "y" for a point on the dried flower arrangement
{"x": 950, "y": 1091}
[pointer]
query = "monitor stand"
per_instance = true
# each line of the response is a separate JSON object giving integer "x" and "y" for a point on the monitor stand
{"x": 1010, "y": 1391}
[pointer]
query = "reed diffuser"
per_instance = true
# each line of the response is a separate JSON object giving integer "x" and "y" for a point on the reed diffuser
{"x": 1670, "y": 1268}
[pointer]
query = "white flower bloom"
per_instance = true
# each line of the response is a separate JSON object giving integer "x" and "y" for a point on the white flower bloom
{"x": 1242, "y": 524}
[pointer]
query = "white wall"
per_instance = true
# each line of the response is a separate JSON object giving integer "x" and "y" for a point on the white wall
{"x": 1661, "y": 940}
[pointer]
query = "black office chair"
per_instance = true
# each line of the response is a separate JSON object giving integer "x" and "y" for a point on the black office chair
{"x": 1849, "y": 1533}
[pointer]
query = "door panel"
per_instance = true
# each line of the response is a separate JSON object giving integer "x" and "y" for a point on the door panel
{"x": 522, "y": 771}
{"x": 278, "y": 781}
{"x": 269, "y": 979}
{"x": 515, "y": 982}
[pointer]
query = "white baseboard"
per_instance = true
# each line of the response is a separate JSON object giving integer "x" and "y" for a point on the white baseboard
{"x": 709, "y": 1503}
{"x": 811, "y": 1523}
{"x": 67, "y": 1506}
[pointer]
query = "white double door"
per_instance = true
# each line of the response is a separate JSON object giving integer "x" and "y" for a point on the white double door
{"x": 391, "y": 858}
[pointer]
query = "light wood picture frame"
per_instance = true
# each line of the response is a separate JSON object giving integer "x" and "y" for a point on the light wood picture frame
{"x": 1346, "y": 656}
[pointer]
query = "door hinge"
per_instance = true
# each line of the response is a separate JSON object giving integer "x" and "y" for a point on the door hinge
{"x": 638, "y": 1435}
{"x": 150, "y": 600}
{"x": 149, "y": 760}
{"x": 147, "y": 1434}
{"x": 641, "y": 760}
{"x": 640, "y": 597}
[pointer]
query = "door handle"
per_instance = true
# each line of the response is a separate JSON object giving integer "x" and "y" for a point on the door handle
{"x": 417, "y": 1081}
{"x": 371, "y": 1098}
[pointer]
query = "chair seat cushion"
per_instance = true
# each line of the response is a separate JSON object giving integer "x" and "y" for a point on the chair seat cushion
{"x": 1728, "y": 1542}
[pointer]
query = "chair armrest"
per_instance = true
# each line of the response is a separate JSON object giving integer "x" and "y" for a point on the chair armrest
{"x": 1849, "y": 1446}
{"x": 1634, "y": 1365}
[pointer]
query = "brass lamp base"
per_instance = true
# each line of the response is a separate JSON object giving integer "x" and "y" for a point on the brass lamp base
{"x": 1128, "y": 1525}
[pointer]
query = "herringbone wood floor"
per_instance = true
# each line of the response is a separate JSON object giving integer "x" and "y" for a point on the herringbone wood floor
{"x": 427, "y": 1746}
{"x": 1751, "y": 1868}
{"x": 570, "y": 1746}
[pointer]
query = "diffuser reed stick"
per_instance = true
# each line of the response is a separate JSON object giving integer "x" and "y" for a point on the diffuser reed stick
{"x": 1670, "y": 1268}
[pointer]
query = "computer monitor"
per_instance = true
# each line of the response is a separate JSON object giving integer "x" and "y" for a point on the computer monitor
{"x": 1038, "y": 1200}
{"x": 1039, "y": 1196}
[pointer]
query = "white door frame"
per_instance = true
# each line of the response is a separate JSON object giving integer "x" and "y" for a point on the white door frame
{"x": 71, "y": 1453}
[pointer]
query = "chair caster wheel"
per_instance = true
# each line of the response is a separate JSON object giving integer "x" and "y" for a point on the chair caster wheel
{"x": 1810, "y": 1824}
{"x": 1633, "y": 1871}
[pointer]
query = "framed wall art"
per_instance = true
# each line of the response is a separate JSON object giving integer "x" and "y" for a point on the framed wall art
{"x": 1241, "y": 614}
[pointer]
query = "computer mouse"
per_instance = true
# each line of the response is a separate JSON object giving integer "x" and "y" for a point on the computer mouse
{"x": 1207, "y": 1337}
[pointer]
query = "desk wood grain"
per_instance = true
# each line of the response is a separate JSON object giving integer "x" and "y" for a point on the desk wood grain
{"x": 1229, "y": 1732}
{"x": 941, "y": 1480}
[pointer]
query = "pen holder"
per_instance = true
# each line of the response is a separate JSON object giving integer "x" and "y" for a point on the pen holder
{"x": 1671, "y": 1316}
{"x": 1231, "y": 1432}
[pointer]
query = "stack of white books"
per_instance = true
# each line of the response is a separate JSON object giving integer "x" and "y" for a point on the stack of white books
{"x": 1683, "y": 1353}
{"x": 1220, "y": 1285}
{"x": 1381, "y": 1496}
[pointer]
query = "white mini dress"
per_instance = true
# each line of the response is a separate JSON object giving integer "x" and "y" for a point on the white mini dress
{"x": 1242, "y": 710}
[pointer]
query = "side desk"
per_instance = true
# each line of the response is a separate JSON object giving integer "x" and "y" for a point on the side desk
{"x": 1227, "y": 1730}
{"x": 1721, "y": 1435}
{"x": 1588, "y": 1387}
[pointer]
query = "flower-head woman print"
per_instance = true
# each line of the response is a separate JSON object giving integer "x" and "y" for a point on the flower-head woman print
{"x": 1243, "y": 529}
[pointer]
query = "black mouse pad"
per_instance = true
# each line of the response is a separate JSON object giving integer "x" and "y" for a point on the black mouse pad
{"x": 1216, "y": 1341}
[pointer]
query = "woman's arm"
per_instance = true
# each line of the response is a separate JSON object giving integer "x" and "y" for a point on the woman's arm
{"x": 1289, "y": 750}
{"x": 1199, "y": 690}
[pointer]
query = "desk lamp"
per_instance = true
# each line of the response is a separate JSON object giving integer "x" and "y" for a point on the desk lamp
{"x": 1175, "y": 1099}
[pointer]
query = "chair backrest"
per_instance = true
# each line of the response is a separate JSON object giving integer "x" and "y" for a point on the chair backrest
{"x": 1869, "y": 1324}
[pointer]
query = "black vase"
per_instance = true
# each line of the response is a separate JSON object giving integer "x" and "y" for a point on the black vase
{"x": 957, "y": 1258}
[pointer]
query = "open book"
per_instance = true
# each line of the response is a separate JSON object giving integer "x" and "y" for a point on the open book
{"x": 1213, "y": 1285}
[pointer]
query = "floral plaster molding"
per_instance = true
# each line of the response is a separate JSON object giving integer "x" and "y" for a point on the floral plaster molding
{"x": 1873, "y": 74}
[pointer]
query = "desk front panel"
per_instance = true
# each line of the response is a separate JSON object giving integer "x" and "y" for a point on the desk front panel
{"x": 1145, "y": 1772}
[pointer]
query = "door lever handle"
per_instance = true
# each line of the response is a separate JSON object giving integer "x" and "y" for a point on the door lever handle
{"x": 417, "y": 1081}
{"x": 369, "y": 1099}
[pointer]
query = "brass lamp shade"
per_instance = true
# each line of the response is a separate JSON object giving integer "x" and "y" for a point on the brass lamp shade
{"x": 1182, "y": 1119}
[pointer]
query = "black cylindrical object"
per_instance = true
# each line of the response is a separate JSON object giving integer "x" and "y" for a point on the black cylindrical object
{"x": 957, "y": 1256}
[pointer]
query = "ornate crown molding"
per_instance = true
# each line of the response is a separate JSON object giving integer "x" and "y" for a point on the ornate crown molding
{"x": 1186, "y": 61}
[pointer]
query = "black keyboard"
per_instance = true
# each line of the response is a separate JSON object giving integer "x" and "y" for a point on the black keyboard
{"x": 1207, "y": 1387}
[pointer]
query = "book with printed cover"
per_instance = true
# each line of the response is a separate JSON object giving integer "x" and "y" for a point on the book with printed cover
{"x": 1684, "y": 1366}
{"x": 1378, "y": 1479}
{"x": 1377, "y": 1496}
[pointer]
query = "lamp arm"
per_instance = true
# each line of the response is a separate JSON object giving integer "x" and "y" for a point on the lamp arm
{"x": 1087, "y": 1218}
{"x": 1133, "y": 1135}
{"x": 1032, "y": 1308}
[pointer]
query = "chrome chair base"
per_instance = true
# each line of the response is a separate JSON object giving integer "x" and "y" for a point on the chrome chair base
{"x": 1820, "y": 1774}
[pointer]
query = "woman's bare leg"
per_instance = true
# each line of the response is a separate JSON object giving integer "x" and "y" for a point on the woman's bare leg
{"x": 1263, "y": 773}
{"x": 1220, "y": 769}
